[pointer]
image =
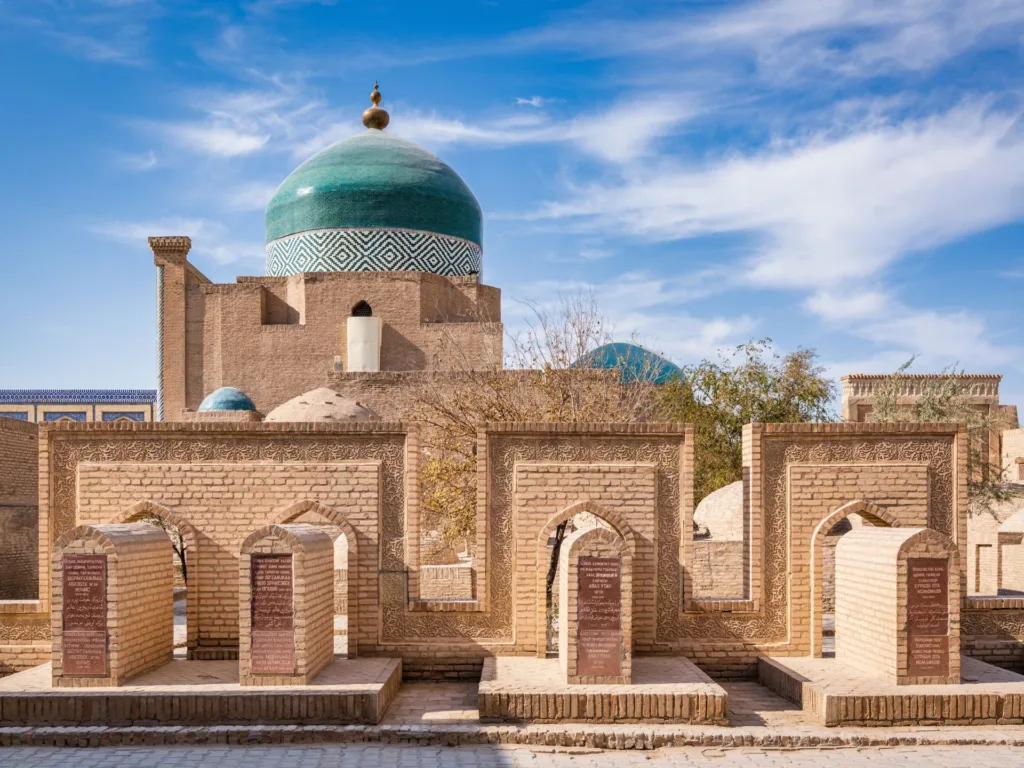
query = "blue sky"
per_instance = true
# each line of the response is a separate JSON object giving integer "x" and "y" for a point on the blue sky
{"x": 846, "y": 175}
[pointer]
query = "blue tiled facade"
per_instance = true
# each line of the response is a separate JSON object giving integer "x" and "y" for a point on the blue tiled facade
{"x": 77, "y": 396}
{"x": 53, "y": 405}
{"x": 118, "y": 415}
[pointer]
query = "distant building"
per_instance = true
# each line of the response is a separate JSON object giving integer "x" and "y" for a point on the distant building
{"x": 45, "y": 406}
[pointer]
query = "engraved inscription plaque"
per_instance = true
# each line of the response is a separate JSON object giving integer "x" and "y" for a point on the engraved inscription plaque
{"x": 84, "y": 622}
{"x": 273, "y": 633}
{"x": 599, "y": 621}
{"x": 927, "y": 617}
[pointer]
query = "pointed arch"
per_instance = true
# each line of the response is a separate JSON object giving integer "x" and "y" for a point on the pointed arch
{"x": 617, "y": 524}
{"x": 339, "y": 520}
{"x": 147, "y": 507}
{"x": 873, "y": 515}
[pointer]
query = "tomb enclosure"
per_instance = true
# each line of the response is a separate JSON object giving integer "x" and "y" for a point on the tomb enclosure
{"x": 596, "y": 599}
{"x": 286, "y": 605}
{"x": 898, "y": 605}
{"x": 112, "y": 598}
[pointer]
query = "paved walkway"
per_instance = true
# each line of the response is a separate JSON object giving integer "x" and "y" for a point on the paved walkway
{"x": 370, "y": 756}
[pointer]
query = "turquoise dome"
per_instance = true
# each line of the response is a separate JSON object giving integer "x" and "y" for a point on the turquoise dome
{"x": 635, "y": 362}
{"x": 371, "y": 181}
{"x": 227, "y": 399}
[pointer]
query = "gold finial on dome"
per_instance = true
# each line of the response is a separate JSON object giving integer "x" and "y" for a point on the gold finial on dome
{"x": 375, "y": 117}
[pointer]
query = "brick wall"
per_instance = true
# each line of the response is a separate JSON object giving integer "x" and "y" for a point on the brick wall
{"x": 872, "y": 602}
{"x": 595, "y": 542}
{"x": 227, "y": 502}
{"x": 19, "y": 510}
{"x": 542, "y": 491}
{"x": 139, "y": 594}
{"x": 718, "y": 569}
{"x": 312, "y": 562}
{"x": 296, "y": 324}
{"x": 446, "y": 582}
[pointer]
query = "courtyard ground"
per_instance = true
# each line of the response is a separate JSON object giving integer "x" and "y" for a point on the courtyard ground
{"x": 381, "y": 756}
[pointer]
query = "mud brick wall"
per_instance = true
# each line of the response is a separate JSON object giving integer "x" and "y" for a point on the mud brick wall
{"x": 312, "y": 564}
{"x": 140, "y": 601}
{"x": 718, "y": 569}
{"x": 19, "y": 510}
{"x": 226, "y": 503}
{"x": 626, "y": 492}
{"x": 446, "y": 582}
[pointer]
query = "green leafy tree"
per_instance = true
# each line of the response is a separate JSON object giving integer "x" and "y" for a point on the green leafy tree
{"x": 752, "y": 384}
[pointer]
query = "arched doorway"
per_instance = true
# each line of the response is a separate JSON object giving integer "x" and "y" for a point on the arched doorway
{"x": 581, "y": 516}
{"x": 824, "y": 540}
{"x": 185, "y": 558}
{"x": 343, "y": 535}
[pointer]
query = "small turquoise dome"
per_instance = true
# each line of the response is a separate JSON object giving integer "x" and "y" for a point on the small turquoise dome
{"x": 635, "y": 362}
{"x": 227, "y": 399}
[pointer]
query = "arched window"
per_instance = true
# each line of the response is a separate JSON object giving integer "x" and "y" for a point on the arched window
{"x": 362, "y": 309}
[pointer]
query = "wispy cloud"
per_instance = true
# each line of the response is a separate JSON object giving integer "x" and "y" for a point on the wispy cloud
{"x": 138, "y": 163}
{"x": 211, "y": 239}
{"x": 826, "y": 210}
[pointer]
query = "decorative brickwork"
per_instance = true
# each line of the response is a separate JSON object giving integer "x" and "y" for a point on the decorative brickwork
{"x": 295, "y": 640}
{"x": 113, "y": 619}
{"x": 19, "y": 511}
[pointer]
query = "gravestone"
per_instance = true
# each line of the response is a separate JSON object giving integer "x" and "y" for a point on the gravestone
{"x": 273, "y": 624}
{"x": 897, "y": 607}
{"x": 595, "y": 603}
{"x": 85, "y": 614}
{"x": 927, "y": 617}
{"x": 286, "y": 605}
{"x": 598, "y": 619}
{"x": 112, "y": 604}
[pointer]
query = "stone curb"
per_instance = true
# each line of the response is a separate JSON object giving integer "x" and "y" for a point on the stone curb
{"x": 592, "y": 737}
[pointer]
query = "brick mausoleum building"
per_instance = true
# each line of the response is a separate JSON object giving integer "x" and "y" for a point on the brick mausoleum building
{"x": 286, "y": 472}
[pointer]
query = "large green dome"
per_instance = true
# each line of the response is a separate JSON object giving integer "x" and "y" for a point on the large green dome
{"x": 373, "y": 202}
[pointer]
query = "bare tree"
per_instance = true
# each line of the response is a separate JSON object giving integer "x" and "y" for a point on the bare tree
{"x": 177, "y": 542}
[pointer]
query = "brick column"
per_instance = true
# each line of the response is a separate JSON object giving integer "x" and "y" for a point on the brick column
{"x": 170, "y": 254}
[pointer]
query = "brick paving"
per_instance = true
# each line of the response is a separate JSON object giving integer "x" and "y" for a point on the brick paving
{"x": 374, "y": 756}
{"x": 423, "y": 703}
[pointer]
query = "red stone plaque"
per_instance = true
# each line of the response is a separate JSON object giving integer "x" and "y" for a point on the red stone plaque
{"x": 599, "y": 620}
{"x": 927, "y": 617}
{"x": 273, "y": 633}
{"x": 84, "y": 609}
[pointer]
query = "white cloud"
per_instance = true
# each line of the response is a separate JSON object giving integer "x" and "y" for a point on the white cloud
{"x": 533, "y": 101}
{"x": 825, "y": 210}
{"x": 252, "y": 196}
{"x": 840, "y": 305}
{"x": 791, "y": 38}
{"x": 217, "y": 140}
{"x": 210, "y": 239}
{"x": 621, "y": 133}
{"x": 138, "y": 163}
{"x": 646, "y": 307}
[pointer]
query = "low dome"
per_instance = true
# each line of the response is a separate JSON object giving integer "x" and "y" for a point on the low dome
{"x": 635, "y": 362}
{"x": 227, "y": 399}
{"x": 324, "y": 405}
{"x": 719, "y": 516}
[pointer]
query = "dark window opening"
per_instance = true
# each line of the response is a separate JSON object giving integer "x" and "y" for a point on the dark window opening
{"x": 362, "y": 309}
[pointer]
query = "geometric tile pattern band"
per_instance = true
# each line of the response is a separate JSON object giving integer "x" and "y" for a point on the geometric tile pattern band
{"x": 372, "y": 250}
